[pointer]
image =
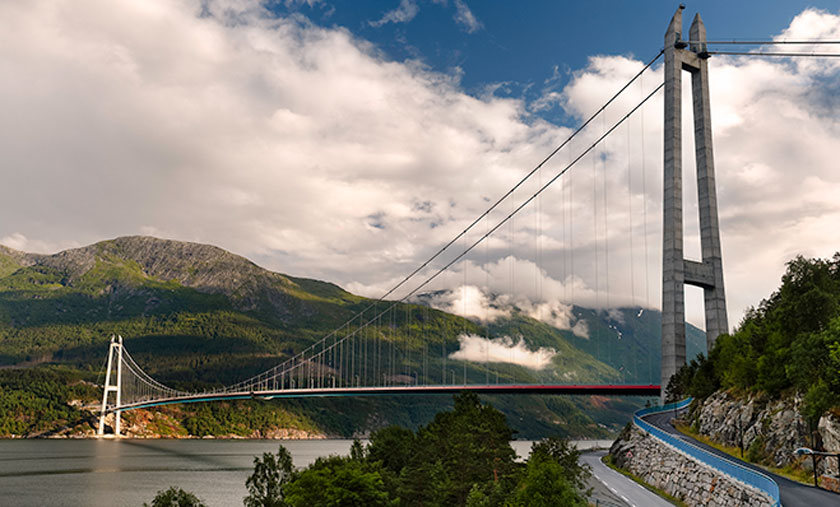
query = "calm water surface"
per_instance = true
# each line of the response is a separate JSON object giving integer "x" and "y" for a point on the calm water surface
{"x": 129, "y": 472}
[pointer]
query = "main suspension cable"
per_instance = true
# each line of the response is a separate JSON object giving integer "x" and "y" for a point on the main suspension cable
{"x": 358, "y": 315}
{"x": 737, "y": 42}
{"x": 485, "y": 213}
{"x": 783, "y": 54}
{"x": 529, "y": 200}
{"x": 492, "y": 230}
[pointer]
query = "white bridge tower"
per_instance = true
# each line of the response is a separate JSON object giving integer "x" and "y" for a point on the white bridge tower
{"x": 115, "y": 354}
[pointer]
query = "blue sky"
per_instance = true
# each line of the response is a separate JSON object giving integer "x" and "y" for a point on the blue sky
{"x": 346, "y": 141}
{"x": 521, "y": 43}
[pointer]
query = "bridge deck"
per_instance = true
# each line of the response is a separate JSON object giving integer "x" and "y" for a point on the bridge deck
{"x": 607, "y": 390}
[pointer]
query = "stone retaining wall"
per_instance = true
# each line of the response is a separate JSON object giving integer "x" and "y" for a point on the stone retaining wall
{"x": 661, "y": 466}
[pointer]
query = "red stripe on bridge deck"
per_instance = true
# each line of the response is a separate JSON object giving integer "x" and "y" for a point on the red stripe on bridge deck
{"x": 604, "y": 390}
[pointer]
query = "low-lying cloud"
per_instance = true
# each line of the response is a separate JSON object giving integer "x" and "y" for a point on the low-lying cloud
{"x": 479, "y": 304}
{"x": 556, "y": 314}
{"x": 505, "y": 349}
{"x": 468, "y": 301}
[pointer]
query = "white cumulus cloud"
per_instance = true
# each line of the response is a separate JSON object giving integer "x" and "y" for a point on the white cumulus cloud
{"x": 502, "y": 350}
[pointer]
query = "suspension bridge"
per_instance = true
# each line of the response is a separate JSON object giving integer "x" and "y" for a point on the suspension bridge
{"x": 368, "y": 355}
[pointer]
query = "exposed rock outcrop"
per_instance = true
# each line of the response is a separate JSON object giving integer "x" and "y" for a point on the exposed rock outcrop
{"x": 771, "y": 429}
{"x": 829, "y": 429}
{"x": 22, "y": 258}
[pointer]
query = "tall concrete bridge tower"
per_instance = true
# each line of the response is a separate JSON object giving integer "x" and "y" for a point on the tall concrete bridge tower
{"x": 691, "y": 56}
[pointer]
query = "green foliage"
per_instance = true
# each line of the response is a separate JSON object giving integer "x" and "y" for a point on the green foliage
{"x": 463, "y": 457}
{"x": 736, "y": 357}
{"x": 63, "y": 310}
{"x": 33, "y": 401}
{"x": 566, "y": 456}
{"x": 357, "y": 451}
{"x": 392, "y": 446}
{"x": 544, "y": 484}
{"x": 755, "y": 452}
{"x": 175, "y": 497}
{"x": 267, "y": 485}
{"x": 698, "y": 377}
{"x": 791, "y": 341}
{"x": 338, "y": 482}
{"x": 7, "y": 264}
{"x": 818, "y": 400}
{"x": 469, "y": 445}
{"x": 489, "y": 494}
{"x": 240, "y": 418}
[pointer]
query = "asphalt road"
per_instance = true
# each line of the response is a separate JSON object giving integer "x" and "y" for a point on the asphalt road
{"x": 793, "y": 494}
{"x": 629, "y": 492}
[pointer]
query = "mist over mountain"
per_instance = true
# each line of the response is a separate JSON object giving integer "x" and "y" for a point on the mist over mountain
{"x": 626, "y": 339}
{"x": 196, "y": 316}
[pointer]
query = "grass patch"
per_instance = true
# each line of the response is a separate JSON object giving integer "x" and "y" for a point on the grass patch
{"x": 790, "y": 471}
{"x": 607, "y": 460}
{"x": 7, "y": 264}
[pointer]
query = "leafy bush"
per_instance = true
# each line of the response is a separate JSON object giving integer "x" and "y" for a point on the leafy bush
{"x": 266, "y": 486}
{"x": 755, "y": 452}
{"x": 564, "y": 454}
{"x": 175, "y": 497}
{"x": 338, "y": 481}
{"x": 545, "y": 484}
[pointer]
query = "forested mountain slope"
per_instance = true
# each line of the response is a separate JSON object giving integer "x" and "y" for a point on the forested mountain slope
{"x": 196, "y": 316}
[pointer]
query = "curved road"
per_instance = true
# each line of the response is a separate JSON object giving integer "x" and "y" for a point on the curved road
{"x": 630, "y": 492}
{"x": 793, "y": 494}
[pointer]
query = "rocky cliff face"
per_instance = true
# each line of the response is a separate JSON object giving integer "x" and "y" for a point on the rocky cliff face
{"x": 21, "y": 258}
{"x": 771, "y": 429}
{"x": 191, "y": 264}
{"x": 829, "y": 429}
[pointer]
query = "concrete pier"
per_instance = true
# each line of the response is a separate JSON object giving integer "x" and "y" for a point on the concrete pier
{"x": 677, "y": 271}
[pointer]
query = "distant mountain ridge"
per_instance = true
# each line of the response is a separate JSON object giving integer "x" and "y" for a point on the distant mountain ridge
{"x": 195, "y": 315}
{"x": 205, "y": 268}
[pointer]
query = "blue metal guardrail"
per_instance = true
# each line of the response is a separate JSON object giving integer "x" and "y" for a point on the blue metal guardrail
{"x": 740, "y": 473}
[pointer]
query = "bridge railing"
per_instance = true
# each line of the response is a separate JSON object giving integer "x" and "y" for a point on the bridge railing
{"x": 742, "y": 474}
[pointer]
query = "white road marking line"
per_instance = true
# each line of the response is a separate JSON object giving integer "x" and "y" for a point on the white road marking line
{"x": 613, "y": 472}
{"x": 602, "y": 481}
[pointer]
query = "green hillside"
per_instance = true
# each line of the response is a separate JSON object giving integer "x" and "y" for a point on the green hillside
{"x": 196, "y": 316}
{"x": 789, "y": 344}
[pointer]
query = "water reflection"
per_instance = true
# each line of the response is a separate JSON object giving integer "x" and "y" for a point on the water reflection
{"x": 129, "y": 472}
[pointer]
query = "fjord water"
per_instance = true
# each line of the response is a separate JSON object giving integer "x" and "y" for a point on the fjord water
{"x": 129, "y": 472}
